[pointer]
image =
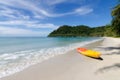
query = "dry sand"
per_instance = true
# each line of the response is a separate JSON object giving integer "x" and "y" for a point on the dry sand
{"x": 74, "y": 66}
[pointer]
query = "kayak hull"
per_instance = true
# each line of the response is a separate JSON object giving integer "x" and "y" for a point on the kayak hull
{"x": 89, "y": 53}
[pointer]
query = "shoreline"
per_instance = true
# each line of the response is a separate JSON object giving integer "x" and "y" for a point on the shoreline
{"x": 73, "y": 66}
{"x": 48, "y": 53}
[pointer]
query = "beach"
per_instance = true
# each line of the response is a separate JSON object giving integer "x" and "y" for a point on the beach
{"x": 74, "y": 66}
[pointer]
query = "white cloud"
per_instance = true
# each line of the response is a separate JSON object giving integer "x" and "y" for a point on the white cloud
{"x": 47, "y": 25}
{"x": 8, "y": 31}
{"x": 13, "y": 28}
{"x": 29, "y": 24}
{"x": 83, "y": 10}
{"x": 49, "y": 2}
{"x": 80, "y": 11}
{"x": 12, "y": 13}
{"x": 26, "y": 5}
{"x": 38, "y": 10}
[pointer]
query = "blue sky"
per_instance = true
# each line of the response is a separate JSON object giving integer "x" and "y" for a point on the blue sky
{"x": 40, "y": 17}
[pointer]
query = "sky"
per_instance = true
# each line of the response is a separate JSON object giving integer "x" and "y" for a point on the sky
{"x": 40, "y": 17}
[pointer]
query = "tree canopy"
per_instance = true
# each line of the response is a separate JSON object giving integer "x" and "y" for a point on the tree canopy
{"x": 74, "y": 31}
{"x": 116, "y": 20}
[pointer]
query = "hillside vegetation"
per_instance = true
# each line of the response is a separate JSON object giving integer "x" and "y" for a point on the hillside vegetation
{"x": 74, "y": 31}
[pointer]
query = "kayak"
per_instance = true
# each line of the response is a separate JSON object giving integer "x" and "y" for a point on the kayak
{"x": 89, "y": 53}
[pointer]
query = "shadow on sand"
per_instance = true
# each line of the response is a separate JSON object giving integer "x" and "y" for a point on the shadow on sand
{"x": 110, "y": 48}
{"x": 115, "y": 50}
{"x": 108, "y": 68}
{"x": 100, "y": 58}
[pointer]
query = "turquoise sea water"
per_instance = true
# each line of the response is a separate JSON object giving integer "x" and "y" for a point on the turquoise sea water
{"x": 17, "y": 53}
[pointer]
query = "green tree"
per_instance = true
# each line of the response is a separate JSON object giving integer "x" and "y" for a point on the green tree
{"x": 116, "y": 20}
{"x": 97, "y": 31}
{"x": 108, "y": 31}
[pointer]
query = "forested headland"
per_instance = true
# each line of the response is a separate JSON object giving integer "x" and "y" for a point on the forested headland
{"x": 74, "y": 31}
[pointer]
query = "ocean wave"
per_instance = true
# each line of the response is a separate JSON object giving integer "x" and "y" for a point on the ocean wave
{"x": 14, "y": 62}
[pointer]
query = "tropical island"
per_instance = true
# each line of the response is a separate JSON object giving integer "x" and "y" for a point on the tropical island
{"x": 111, "y": 30}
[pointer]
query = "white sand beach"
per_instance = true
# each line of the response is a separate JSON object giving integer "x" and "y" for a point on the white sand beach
{"x": 74, "y": 66}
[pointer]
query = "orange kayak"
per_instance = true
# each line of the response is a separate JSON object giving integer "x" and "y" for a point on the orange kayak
{"x": 90, "y": 53}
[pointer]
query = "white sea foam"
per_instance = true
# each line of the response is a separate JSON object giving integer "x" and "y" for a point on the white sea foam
{"x": 14, "y": 62}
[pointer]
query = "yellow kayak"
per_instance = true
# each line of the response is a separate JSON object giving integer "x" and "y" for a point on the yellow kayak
{"x": 90, "y": 53}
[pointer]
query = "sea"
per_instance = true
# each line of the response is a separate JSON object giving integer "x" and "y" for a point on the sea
{"x": 18, "y": 53}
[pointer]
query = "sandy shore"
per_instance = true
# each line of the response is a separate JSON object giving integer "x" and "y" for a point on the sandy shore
{"x": 74, "y": 66}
